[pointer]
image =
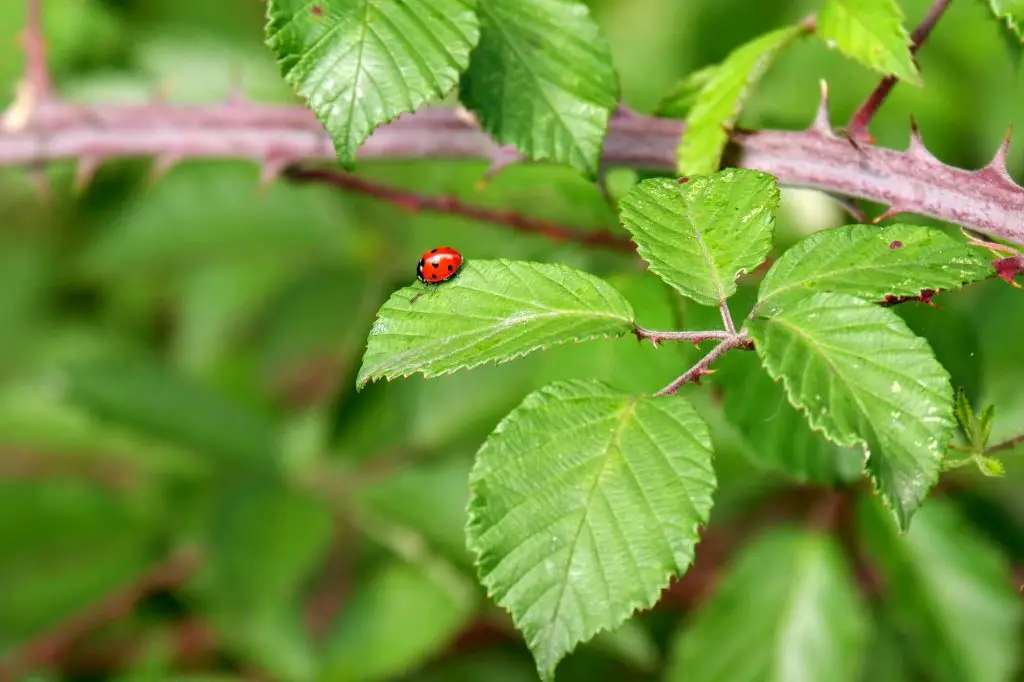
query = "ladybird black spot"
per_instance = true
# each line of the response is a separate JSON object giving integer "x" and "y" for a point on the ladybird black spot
{"x": 436, "y": 262}
{"x": 433, "y": 251}
{"x": 450, "y": 268}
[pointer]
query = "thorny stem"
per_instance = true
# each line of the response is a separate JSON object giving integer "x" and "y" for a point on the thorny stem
{"x": 694, "y": 373}
{"x": 858, "y": 126}
{"x": 413, "y": 202}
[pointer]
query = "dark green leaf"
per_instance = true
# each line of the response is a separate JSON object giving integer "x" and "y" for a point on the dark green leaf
{"x": 951, "y": 592}
{"x": 541, "y": 79}
{"x": 1011, "y": 12}
{"x": 777, "y": 436}
{"x": 863, "y": 378}
{"x": 394, "y": 622}
{"x": 145, "y": 397}
{"x": 585, "y": 502}
{"x": 787, "y": 609}
{"x": 361, "y": 63}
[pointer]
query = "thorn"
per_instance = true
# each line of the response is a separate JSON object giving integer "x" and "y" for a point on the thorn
{"x": 916, "y": 148}
{"x": 993, "y": 247}
{"x": 821, "y": 123}
{"x": 17, "y": 116}
{"x": 888, "y": 213}
{"x": 161, "y": 166}
{"x": 270, "y": 171}
{"x": 86, "y": 171}
{"x": 997, "y": 166}
{"x": 503, "y": 157}
{"x": 466, "y": 116}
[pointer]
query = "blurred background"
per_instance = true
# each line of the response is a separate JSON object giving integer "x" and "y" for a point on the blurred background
{"x": 191, "y": 487}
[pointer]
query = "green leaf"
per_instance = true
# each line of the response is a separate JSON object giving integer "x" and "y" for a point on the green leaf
{"x": 58, "y": 554}
{"x": 361, "y": 63}
{"x": 701, "y": 235}
{"x": 541, "y": 79}
{"x": 873, "y": 262}
{"x": 787, "y": 609}
{"x": 950, "y": 590}
{"x": 716, "y": 106}
{"x": 493, "y": 311}
{"x": 776, "y": 434}
{"x": 393, "y": 623}
{"x": 585, "y": 502}
{"x": 870, "y": 31}
{"x": 680, "y": 100}
{"x": 862, "y": 377}
{"x": 263, "y": 541}
{"x": 158, "y": 403}
{"x": 965, "y": 416}
{"x": 1011, "y": 12}
{"x": 984, "y": 425}
{"x": 429, "y": 499}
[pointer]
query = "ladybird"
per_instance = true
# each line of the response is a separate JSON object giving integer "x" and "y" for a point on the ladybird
{"x": 438, "y": 265}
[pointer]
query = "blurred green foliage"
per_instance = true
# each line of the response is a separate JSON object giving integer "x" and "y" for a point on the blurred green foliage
{"x": 178, "y": 362}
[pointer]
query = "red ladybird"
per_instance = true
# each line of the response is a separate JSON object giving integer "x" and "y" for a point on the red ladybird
{"x": 438, "y": 265}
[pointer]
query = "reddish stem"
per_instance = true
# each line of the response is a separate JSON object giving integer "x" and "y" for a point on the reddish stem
{"x": 858, "y": 126}
{"x": 413, "y": 202}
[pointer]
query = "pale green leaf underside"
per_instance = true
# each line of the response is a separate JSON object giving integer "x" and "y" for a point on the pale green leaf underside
{"x": 361, "y": 63}
{"x": 541, "y": 79}
{"x": 870, "y": 31}
{"x": 952, "y": 590}
{"x": 873, "y": 262}
{"x": 1012, "y": 14}
{"x": 862, "y": 377}
{"x": 721, "y": 96}
{"x": 786, "y": 610}
{"x": 585, "y": 501}
{"x": 701, "y": 235}
{"x": 492, "y": 311}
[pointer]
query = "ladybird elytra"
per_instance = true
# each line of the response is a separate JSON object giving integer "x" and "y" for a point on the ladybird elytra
{"x": 438, "y": 265}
